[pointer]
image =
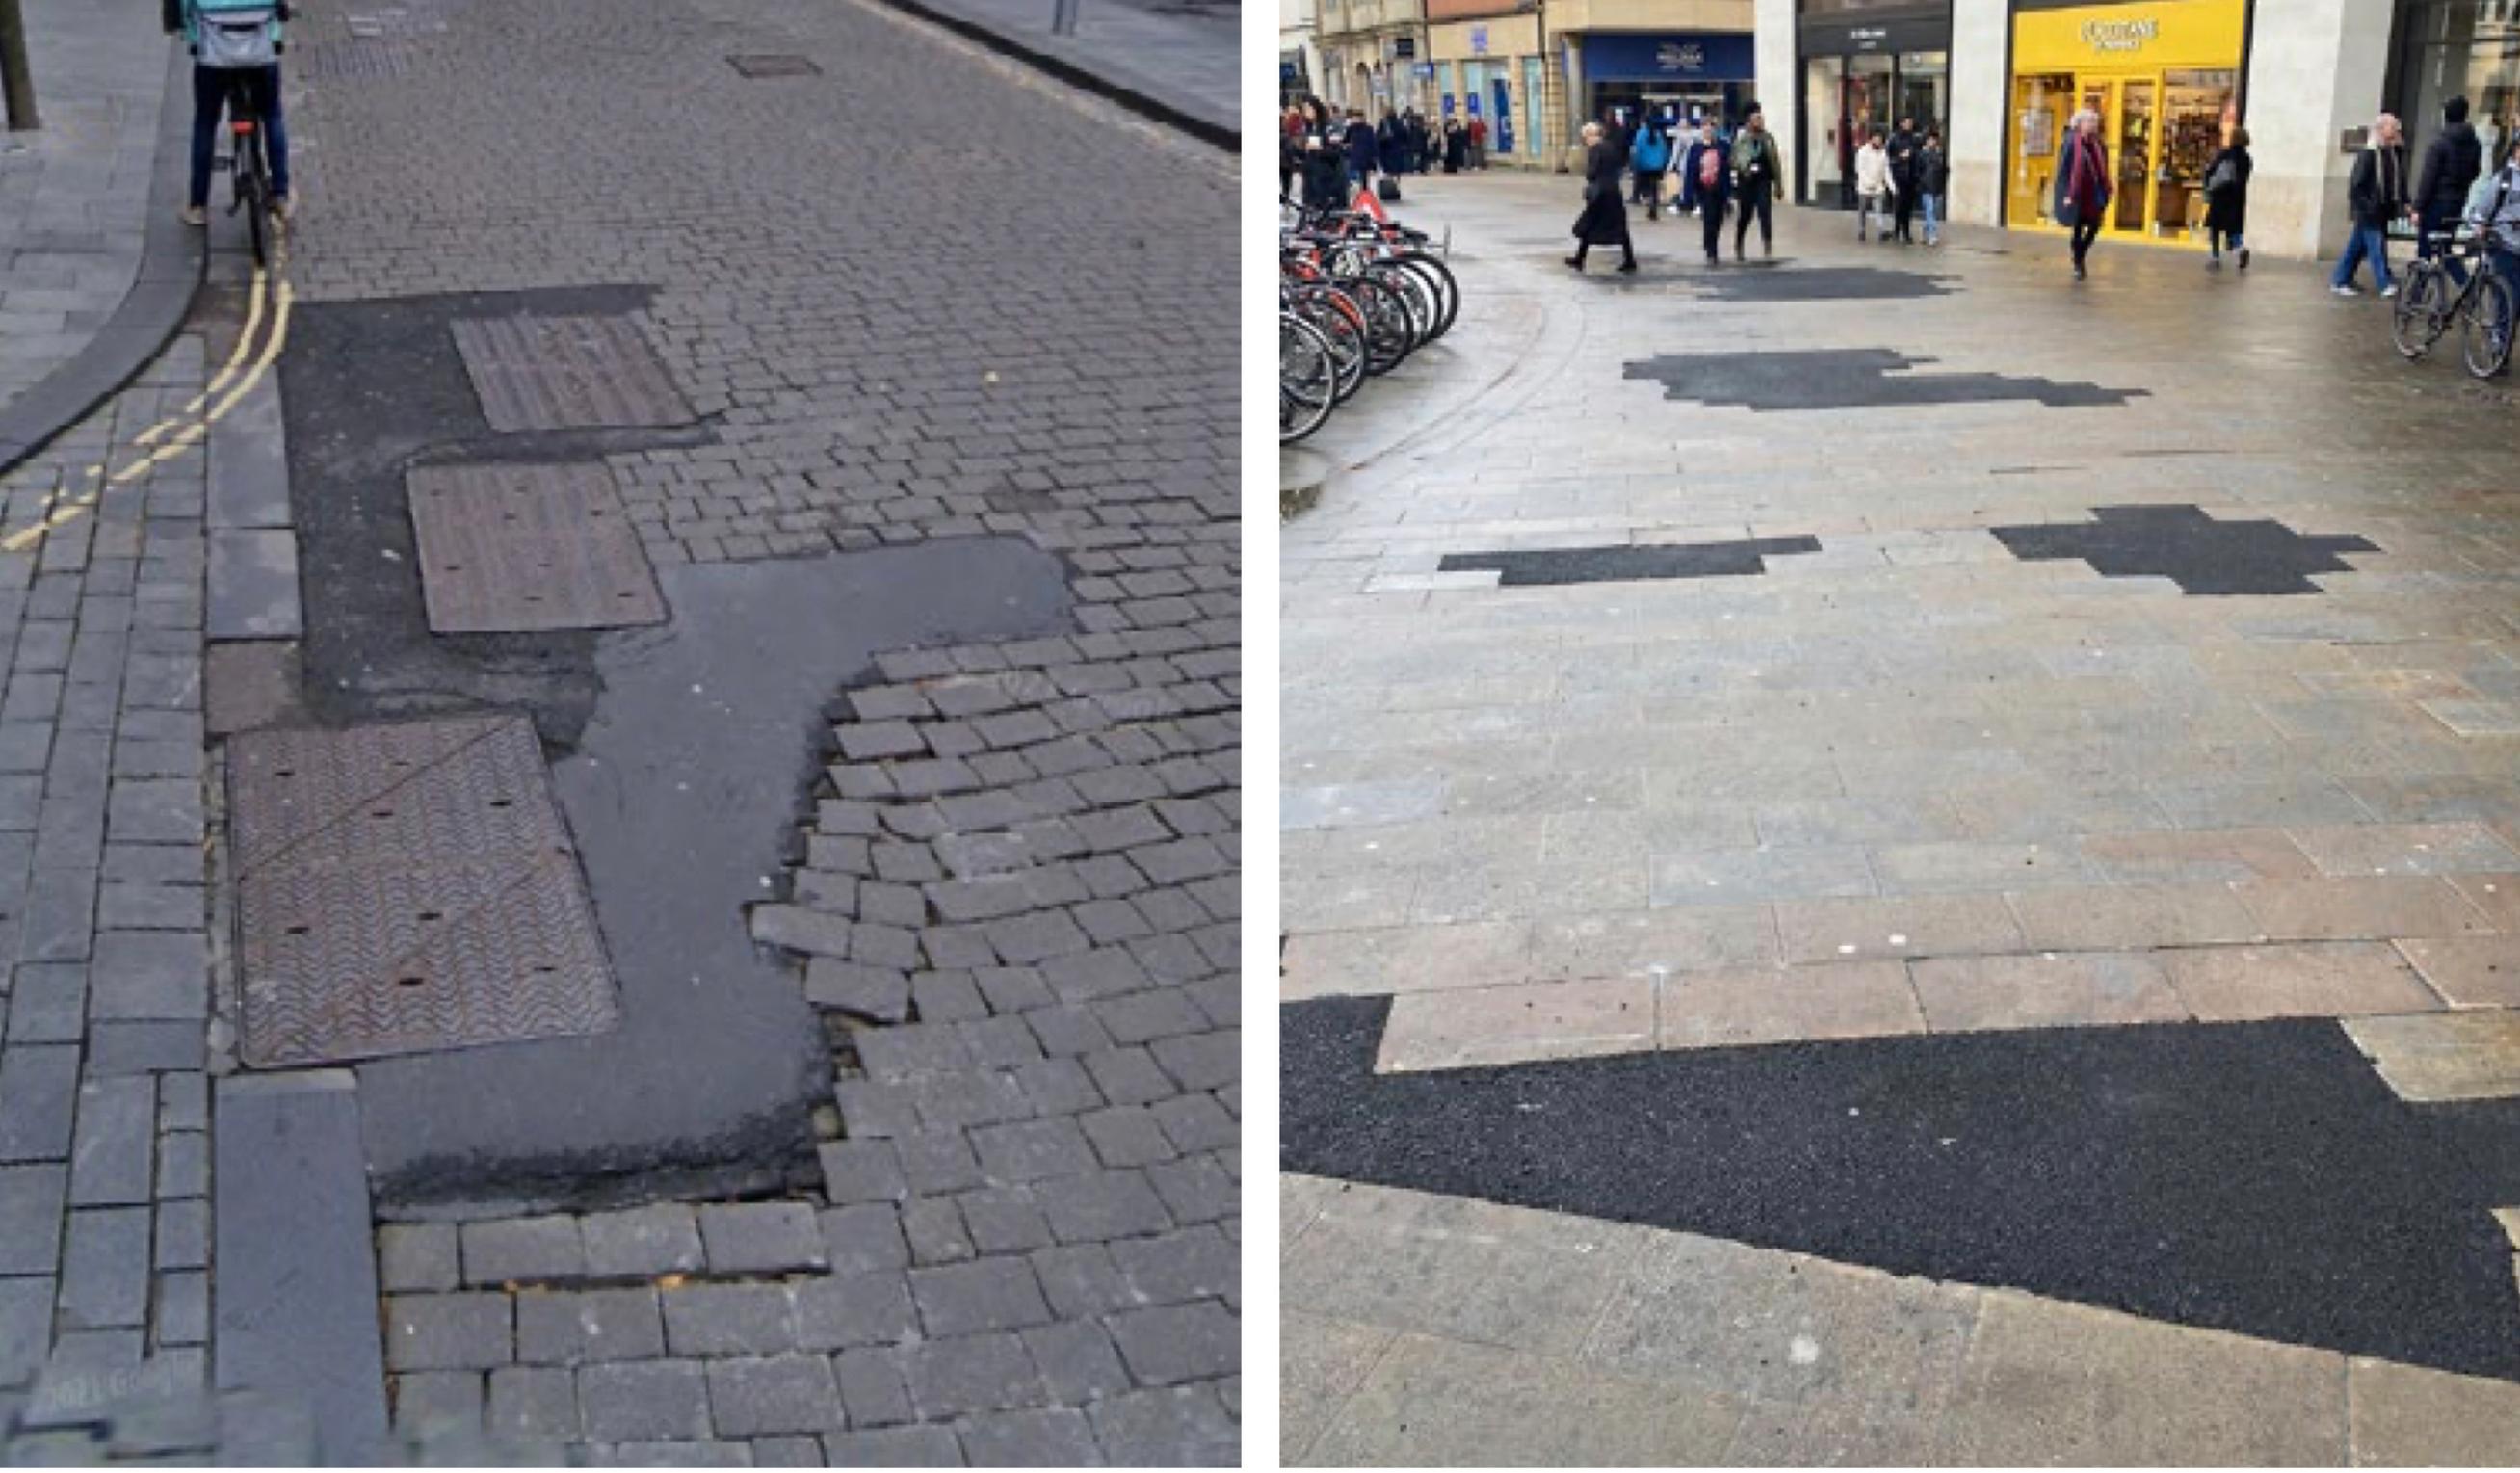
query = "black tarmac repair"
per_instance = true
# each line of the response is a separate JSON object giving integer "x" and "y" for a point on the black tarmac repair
{"x": 2256, "y": 1177}
{"x": 1547, "y": 566}
{"x": 2190, "y": 548}
{"x": 370, "y": 389}
{"x": 1818, "y": 284}
{"x": 1848, "y": 378}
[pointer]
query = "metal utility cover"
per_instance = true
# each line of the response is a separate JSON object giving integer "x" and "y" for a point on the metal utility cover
{"x": 407, "y": 888}
{"x": 565, "y": 373}
{"x": 520, "y": 548}
{"x": 780, "y": 63}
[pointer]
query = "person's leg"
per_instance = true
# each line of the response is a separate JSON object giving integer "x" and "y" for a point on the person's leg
{"x": 275, "y": 127}
{"x": 1863, "y": 215}
{"x": 1767, "y": 226}
{"x": 1627, "y": 248}
{"x": 2378, "y": 252}
{"x": 209, "y": 97}
{"x": 2349, "y": 260}
{"x": 1903, "y": 212}
{"x": 1933, "y": 204}
{"x": 1714, "y": 231}
{"x": 1741, "y": 226}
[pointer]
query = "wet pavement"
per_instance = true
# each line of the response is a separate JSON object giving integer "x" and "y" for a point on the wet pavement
{"x": 1863, "y": 754}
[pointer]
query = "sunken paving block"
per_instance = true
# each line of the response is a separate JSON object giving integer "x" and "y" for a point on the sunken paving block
{"x": 1847, "y": 379}
{"x": 405, "y": 888}
{"x": 523, "y": 548}
{"x": 1550, "y": 566}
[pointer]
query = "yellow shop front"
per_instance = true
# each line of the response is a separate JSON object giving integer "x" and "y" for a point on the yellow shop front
{"x": 2162, "y": 74}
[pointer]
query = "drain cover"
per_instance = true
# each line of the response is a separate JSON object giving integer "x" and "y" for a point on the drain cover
{"x": 777, "y": 63}
{"x": 517, "y": 548}
{"x": 407, "y": 888}
{"x": 566, "y": 373}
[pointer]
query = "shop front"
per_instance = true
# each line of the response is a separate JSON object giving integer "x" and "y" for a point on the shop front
{"x": 1489, "y": 68}
{"x": 1862, "y": 71}
{"x": 2459, "y": 47}
{"x": 1680, "y": 74}
{"x": 2164, "y": 77}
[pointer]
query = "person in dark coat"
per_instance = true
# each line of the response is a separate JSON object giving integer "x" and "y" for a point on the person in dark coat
{"x": 2453, "y": 160}
{"x": 1363, "y": 156}
{"x": 1457, "y": 146}
{"x": 1391, "y": 142}
{"x": 1758, "y": 179}
{"x": 1422, "y": 142}
{"x": 2083, "y": 185}
{"x": 2227, "y": 200}
{"x": 1904, "y": 144}
{"x": 1714, "y": 192}
{"x": 1933, "y": 184}
{"x": 2375, "y": 196}
{"x": 1604, "y": 220}
{"x": 1324, "y": 160}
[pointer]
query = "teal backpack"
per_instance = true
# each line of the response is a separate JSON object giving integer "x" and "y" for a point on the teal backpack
{"x": 233, "y": 35}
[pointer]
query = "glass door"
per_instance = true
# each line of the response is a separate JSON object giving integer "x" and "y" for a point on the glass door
{"x": 2135, "y": 134}
{"x": 1824, "y": 173}
{"x": 2043, "y": 105}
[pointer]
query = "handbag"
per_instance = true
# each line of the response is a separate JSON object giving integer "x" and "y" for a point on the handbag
{"x": 2222, "y": 176}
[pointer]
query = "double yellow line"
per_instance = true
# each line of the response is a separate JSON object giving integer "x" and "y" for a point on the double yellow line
{"x": 180, "y": 431}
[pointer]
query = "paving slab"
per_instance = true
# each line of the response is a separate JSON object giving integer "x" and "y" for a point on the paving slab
{"x": 254, "y": 586}
{"x": 296, "y": 1292}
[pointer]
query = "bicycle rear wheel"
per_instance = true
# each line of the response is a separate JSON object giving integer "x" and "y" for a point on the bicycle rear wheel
{"x": 253, "y": 193}
{"x": 2423, "y": 310}
{"x": 2487, "y": 343}
{"x": 1307, "y": 379}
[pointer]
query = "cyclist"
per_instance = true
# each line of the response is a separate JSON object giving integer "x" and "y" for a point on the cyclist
{"x": 2500, "y": 220}
{"x": 234, "y": 43}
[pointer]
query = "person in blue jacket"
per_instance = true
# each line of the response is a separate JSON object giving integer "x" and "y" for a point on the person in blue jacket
{"x": 232, "y": 41}
{"x": 1648, "y": 161}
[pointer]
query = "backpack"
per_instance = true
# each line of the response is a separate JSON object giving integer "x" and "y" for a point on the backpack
{"x": 1710, "y": 168}
{"x": 235, "y": 36}
{"x": 2224, "y": 174}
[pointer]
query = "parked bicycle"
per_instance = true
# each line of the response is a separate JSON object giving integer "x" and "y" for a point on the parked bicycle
{"x": 2431, "y": 299}
{"x": 1357, "y": 295}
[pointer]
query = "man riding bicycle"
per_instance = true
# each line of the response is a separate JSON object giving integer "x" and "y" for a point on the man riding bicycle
{"x": 2499, "y": 219}
{"x": 235, "y": 44}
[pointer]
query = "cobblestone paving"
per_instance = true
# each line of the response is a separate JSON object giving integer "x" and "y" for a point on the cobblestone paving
{"x": 1017, "y": 897}
{"x": 104, "y": 1110}
{"x": 72, "y": 192}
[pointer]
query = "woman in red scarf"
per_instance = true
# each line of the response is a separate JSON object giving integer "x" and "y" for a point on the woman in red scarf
{"x": 2083, "y": 184}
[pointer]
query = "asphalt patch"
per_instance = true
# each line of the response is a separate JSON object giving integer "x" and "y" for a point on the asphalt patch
{"x": 1820, "y": 284}
{"x": 1554, "y": 566}
{"x": 682, "y": 797}
{"x": 371, "y": 390}
{"x": 1848, "y": 378}
{"x": 2256, "y": 1178}
{"x": 2190, "y": 548}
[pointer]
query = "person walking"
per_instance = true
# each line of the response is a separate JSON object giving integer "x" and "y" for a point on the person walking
{"x": 2452, "y": 162}
{"x": 1758, "y": 180}
{"x": 1903, "y": 147}
{"x": 2083, "y": 186}
{"x": 1873, "y": 182}
{"x": 1422, "y": 156}
{"x": 2227, "y": 201}
{"x": 1649, "y": 164}
{"x": 1478, "y": 142}
{"x": 1364, "y": 154}
{"x": 1714, "y": 189}
{"x": 2375, "y": 196}
{"x": 1604, "y": 220}
{"x": 1688, "y": 162}
{"x": 1933, "y": 184}
{"x": 1391, "y": 142}
{"x": 235, "y": 43}
{"x": 1457, "y": 146}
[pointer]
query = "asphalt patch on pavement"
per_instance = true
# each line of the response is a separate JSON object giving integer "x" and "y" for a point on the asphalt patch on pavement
{"x": 371, "y": 390}
{"x": 682, "y": 796}
{"x": 2256, "y": 1178}
{"x": 2190, "y": 548}
{"x": 1848, "y": 378}
{"x": 1820, "y": 284}
{"x": 1554, "y": 566}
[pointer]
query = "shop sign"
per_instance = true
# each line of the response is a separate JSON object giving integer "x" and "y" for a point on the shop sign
{"x": 1448, "y": 105}
{"x": 1425, "y": 72}
{"x": 1867, "y": 37}
{"x": 1478, "y": 42}
{"x": 2119, "y": 35}
{"x": 1404, "y": 47}
{"x": 1715, "y": 56}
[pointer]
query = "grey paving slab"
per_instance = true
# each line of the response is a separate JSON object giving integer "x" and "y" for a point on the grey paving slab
{"x": 297, "y": 1291}
{"x": 248, "y": 464}
{"x": 254, "y": 586}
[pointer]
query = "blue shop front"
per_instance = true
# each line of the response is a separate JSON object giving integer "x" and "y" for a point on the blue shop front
{"x": 1681, "y": 75}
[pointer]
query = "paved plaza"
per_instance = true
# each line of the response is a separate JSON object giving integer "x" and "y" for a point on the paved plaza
{"x": 619, "y": 779}
{"x": 1971, "y": 819}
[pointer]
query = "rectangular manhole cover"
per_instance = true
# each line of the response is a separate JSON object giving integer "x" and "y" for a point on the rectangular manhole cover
{"x": 779, "y": 63}
{"x": 407, "y": 888}
{"x": 566, "y": 373}
{"x": 511, "y": 549}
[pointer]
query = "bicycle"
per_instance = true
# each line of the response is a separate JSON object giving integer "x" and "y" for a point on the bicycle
{"x": 2483, "y": 304}
{"x": 250, "y": 167}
